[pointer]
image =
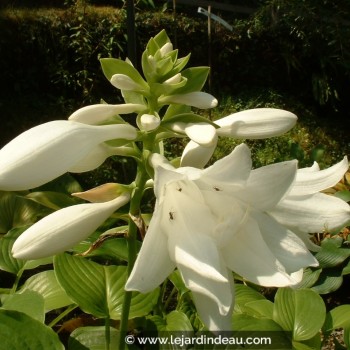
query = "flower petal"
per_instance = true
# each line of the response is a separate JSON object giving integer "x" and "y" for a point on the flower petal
{"x": 249, "y": 256}
{"x": 210, "y": 313}
{"x": 124, "y": 82}
{"x": 64, "y": 228}
{"x": 195, "y": 155}
{"x": 100, "y": 113}
{"x": 312, "y": 213}
{"x": 267, "y": 185}
{"x": 202, "y": 133}
{"x": 153, "y": 264}
{"x": 284, "y": 244}
{"x": 49, "y": 150}
{"x": 256, "y": 123}
{"x": 308, "y": 182}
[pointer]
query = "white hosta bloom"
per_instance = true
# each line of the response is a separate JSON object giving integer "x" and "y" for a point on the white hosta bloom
{"x": 166, "y": 48}
{"x": 149, "y": 122}
{"x": 64, "y": 228}
{"x": 49, "y": 150}
{"x": 229, "y": 217}
{"x": 196, "y": 99}
{"x": 124, "y": 82}
{"x": 256, "y": 123}
{"x": 100, "y": 113}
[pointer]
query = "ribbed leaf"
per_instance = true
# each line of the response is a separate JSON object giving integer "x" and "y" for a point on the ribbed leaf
{"x": 332, "y": 253}
{"x": 45, "y": 283}
{"x": 52, "y": 200}
{"x": 28, "y": 302}
{"x": 339, "y": 317}
{"x": 19, "y": 331}
{"x": 99, "y": 290}
{"x": 92, "y": 338}
{"x": 310, "y": 277}
{"x": 300, "y": 311}
{"x": 244, "y": 295}
{"x": 329, "y": 281}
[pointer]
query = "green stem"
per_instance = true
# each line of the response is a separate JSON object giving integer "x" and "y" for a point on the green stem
{"x": 108, "y": 332}
{"x": 135, "y": 203}
{"x": 62, "y": 314}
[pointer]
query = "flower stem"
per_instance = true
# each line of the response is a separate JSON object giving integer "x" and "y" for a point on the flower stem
{"x": 135, "y": 203}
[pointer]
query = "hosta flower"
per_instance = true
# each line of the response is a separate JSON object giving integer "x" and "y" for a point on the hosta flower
{"x": 100, "y": 113}
{"x": 256, "y": 123}
{"x": 49, "y": 150}
{"x": 229, "y": 217}
{"x": 196, "y": 99}
{"x": 64, "y": 228}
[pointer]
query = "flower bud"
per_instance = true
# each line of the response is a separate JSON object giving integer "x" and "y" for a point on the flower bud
{"x": 149, "y": 122}
{"x": 124, "y": 82}
{"x": 196, "y": 99}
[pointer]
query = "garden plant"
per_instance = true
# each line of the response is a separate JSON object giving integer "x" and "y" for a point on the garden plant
{"x": 188, "y": 246}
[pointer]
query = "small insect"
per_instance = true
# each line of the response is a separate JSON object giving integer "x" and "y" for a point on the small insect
{"x": 171, "y": 215}
{"x": 179, "y": 189}
{"x": 217, "y": 188}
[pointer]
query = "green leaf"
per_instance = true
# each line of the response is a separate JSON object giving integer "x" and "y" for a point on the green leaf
{"x": 64, "y": 184}
{"x": 243, "y": 322}
{"x": 339, "y": 317}
{"x": 20, "y": 331}
{"x": 92, "y": 338}
{"x": 99, "y": 290}
{"x": 52, "y": 200}
{"x": 301, "y": 311}
{"x": 244, "y": 295}
{"x": 310, "y": 277}
{"x": 329, "y": 281}
{"x": 45, "y": 283}
{"x": 259, "y": 308}
{"x": 332, "y": 253}
{"x": 111, "y": 66}
{"x": 7, "y": 261}
{"x": 178, "y": 282}
{"x": 344, "y": 195}
{"x": 174, "y": 321}
{"x": 29, "y": 302}
{"x": 196, "y": 78}
{"x": 16, "y": 211}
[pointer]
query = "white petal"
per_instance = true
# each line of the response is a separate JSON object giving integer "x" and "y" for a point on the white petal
{"x": 64, "y": 228}
{"x": 312, "y": 213}
{"x": 308, "y": 182}
{"x": 256, "y": 123}
{"x": 99, "y": 113}
{"x": 202, "y": 133}
{"x": 195, "y": 155}
{"x": 124, "y": 82}
{"x": 267, "y": 185}
{"x": 166, "y": 48}
{"x": 209, "y": 312}
{"x": 49, "y": 150}
{"x": 249, "y": 256}
{"x": 284, "y": 244}
{"x": 196, "y": 99}
{"x": 153, "y": 264}
{"x": 231, "y": 171}
{"x": 149, "y": 122}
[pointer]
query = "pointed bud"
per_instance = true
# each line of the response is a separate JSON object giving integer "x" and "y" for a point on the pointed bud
{"x": 166, "y": 48}
{"x": 64, "y": 229}
{"x": 196, "y": 99}
{"x": 149, "y": 122}
{"x": 124, "y": 82}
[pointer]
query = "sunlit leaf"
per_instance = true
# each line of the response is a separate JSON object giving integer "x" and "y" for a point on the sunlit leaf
{"x": 244, "y": 295}
{"x": 344, "y": 195}
{"x": 339, "y": 317}
{"x": 301, "y": 311}
{"x": 98, "y": 289}
{"x": 28, "y": 302}
{"x": 52, "y": 200}
{"x": 20, "y": 331}
{"x": 45, "y": 283}
{"x": 332, "y": 252}
{"x": 260, "y": 308}
{"x": 329, "y": 281}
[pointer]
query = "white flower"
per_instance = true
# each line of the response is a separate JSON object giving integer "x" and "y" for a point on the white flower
{"x": 100, "y": 113}
{"x": 196, "y": 99}
{"x": 149, "y": 122}
{"x": 231, "y": 218}
{"x": 256, "y": 123}
{"x": 49, "y": 150}
{"x": 64, "y": 228}
{"x": 124, "y": 82}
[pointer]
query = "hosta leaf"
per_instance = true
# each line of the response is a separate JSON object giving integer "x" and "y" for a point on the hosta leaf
{"x": 301, "y": 311}
{"x": 243, "y": 322}
{"x": 260, "y": 308}
{"x": 310, "y": 277}
{"x": 92, "y": 338}
{"x": 28, "y": 302}
{"x": 339, "y": 317}
{"x": 344, "y": 195}
{"x": 20, "y": 331}
{"x": 16, "y": 211}
{"x": 244, "y": 295}
{"x": 178, "y": 282}
{"x": 46, "y": 284}
{"x": 63, "y": 184}
{"x": 332, "y": 253}
{"x": 329, "y": 281}
{"x": 99, "y": 290}
{"x": 196, "y": 78}
{"x": 52, "y": 200}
